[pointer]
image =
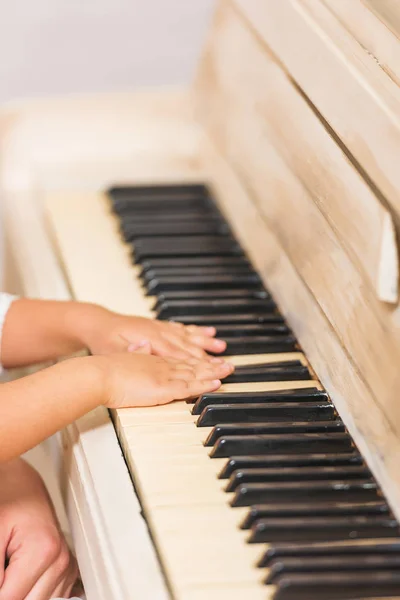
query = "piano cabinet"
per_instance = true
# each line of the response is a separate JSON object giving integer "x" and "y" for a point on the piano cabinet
{"x": 293, "y": 121}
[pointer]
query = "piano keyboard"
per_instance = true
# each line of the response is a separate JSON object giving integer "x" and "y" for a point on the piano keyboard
{"x": 255, "y": 491}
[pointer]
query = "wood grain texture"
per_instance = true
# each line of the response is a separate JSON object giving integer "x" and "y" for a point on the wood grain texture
{"x": 370, "y": 23}
{"x": 369, "y": 427}
{"x": 364, "y": 325}
{"x": 345, "y": 83}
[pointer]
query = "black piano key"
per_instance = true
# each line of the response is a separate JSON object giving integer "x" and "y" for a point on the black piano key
{"x": 133, "y": 230}
{"x": 165, "y": 192}
{"x": 259, "y": 413}
{"x": 245, "y": 476}
{"x": 282, "y": 371}
{"x": 196, "y": 261}
{"x": 253, "y": 330}
{"x": 337, "y": 564}
{"x": 152, "y": 204}
{"x": 323, "y": 528}
{"x": 260, "y": 344}
{"x": 203, "y": 282}
{"x": 338, "y": 586}
{"x": 288, "y": 491}
{"x": 314, "y": 549}
{"x": 289, "y": 460}
{"x": 151, "y": 274}
{"x": 215, "y": 319}
{"x": 185, "y": 246}
{"x": 273, "y": 428}
{"x": 213, "y": 294}
{"x": 128, "y": 215}
{"x": 310, "y": 394}
{"x": 185, "y": 308}
{"x": 294, "y": 443}
{"x": 310, "y": 509}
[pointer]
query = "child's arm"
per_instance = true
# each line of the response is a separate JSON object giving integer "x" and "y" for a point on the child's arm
{"x": 39, "y": 563}
{"x": 35, "y": 331}
{"x": 34, "y": 407}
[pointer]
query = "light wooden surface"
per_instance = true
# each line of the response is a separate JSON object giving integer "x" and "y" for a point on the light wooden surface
{"x": 283, "y": 214}
{"x": 345, "y": 84}
{"x": 387, "y": 11}
{"x": 312, "y": 237}
{"x": 370, "y": 22}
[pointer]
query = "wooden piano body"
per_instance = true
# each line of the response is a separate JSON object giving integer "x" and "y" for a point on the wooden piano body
{"x": 294, "y": 122}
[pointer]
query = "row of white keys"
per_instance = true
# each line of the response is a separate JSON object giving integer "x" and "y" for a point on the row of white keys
{"x": 203, "y": 551}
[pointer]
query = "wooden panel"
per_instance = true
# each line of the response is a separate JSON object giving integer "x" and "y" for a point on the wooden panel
{"x": 346, "y": 201}
{"x": 291, "y": 204}
{"x": 371, "y": 430}
{"x": 388, "y": 11}
{"x": 345, "y": 83}
{"x": 328, "y": 301}
{"x": 370, "y": 31}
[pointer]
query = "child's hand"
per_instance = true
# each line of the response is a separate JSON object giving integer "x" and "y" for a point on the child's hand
{"x": 144, "y": 380}
{"x": 107, "y": 332}
{"x": 39, "y": 563}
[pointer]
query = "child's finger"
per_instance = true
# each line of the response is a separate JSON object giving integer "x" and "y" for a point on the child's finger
{"x": 21, "y": 575}
{"x": 183, "y": 373}
{"x": 3, "y": 548}
{"x": 208, "y": 371}
{"x": 196, "y": 330}
{"x": 202, "y": 386}
{"x": 181, "y": 346}
{"x": 166, "y": 348}
{"x": 208, "y": 343}
{"x": 181, "y": 389}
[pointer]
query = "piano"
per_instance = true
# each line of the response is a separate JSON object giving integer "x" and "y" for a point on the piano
{"x": 263, "y": 199}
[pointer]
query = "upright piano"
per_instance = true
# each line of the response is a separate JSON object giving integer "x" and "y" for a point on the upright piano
{"x": 263, "y": 199}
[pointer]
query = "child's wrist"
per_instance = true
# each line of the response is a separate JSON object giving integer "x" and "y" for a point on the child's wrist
{"x": 88, "y": 376}
{"x": 84, "y": 320}
{"x": 97, "y": 379}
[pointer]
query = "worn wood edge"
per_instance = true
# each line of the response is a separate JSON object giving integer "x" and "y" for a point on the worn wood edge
{"x": 362, "y": 323}
{"x": 368, "y": 426}
{"x": 365, "y": 24}
{"x": 336, "y": 73}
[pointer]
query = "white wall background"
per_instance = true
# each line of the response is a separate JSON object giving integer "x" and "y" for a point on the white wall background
{"x": 52, "y": 47}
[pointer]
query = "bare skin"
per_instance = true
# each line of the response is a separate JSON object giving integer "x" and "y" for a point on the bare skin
{"x": 134, "y": 362}
{"x": 35, "y": 561}
{"x": 40, "y": 330}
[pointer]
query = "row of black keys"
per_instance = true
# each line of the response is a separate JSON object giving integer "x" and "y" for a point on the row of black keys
{"x": 292, "y": 463}
{"x": 290, "y": 459}
{"x": 205, "y": 279}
